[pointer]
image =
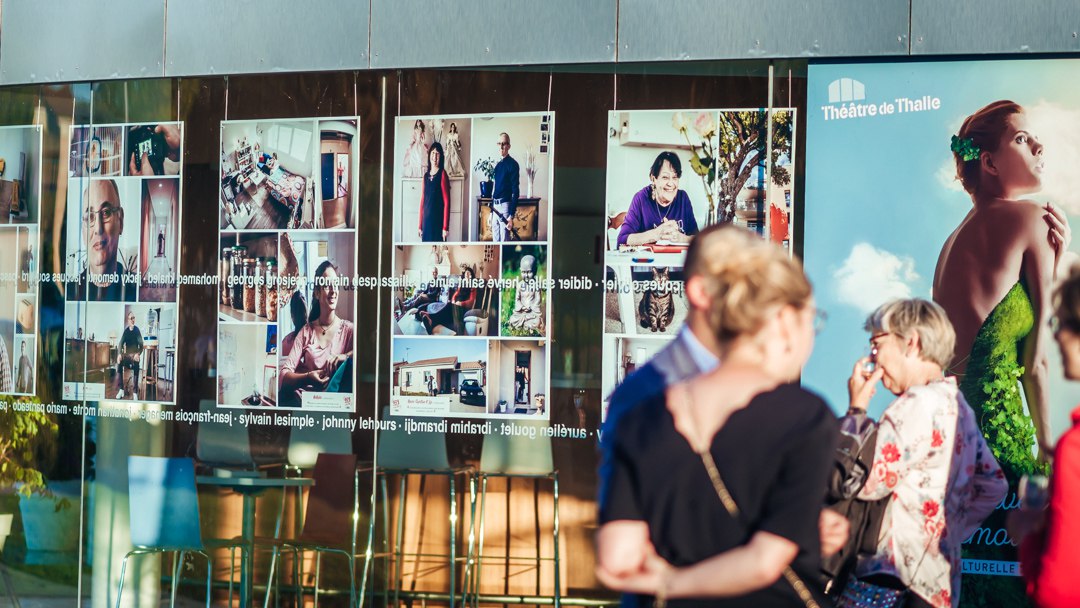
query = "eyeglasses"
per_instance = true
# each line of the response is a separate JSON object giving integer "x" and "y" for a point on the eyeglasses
{"x": 820, "y": 317}
{"x": 106, "y": 215}
{"x": 502, "y": 143}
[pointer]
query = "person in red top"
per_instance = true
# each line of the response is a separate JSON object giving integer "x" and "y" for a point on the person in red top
{"x": 1050, "y": 549}
{"x": 435, "y": 199}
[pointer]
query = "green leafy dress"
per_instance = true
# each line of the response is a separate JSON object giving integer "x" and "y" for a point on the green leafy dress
{"x": 991, "y": 385}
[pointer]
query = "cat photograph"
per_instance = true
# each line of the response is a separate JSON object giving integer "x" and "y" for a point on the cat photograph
{"x": 657, "y": 307}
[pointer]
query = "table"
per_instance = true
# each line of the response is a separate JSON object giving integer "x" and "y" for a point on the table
{"x": 526, "y": 218}
{"x": 249, "y": 488}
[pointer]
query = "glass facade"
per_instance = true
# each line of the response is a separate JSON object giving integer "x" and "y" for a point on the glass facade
{"x": 470, "y": 501}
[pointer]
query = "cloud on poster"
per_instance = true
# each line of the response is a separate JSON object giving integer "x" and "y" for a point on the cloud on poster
{"x": 870, "y": 277}
{"x": 1058, "y": 128}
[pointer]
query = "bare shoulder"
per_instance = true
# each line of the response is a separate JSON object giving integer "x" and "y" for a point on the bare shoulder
{"x": 1018, "y": 221}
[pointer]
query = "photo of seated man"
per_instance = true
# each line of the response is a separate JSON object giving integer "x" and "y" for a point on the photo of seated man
{"x": 129, "y": 352}
{"x": 447, "y": 291}
{"x": 97, "y": 235}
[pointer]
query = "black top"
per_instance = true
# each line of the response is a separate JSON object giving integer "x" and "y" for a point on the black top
{"x": 773, "y": 455}
{"x": 131, "y": 342}
{"x": 507, "y": 182}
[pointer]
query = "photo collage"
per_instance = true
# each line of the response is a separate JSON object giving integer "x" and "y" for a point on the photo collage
{"x": 287, "y": 236}
{"x": 669, "y": 175}
{"x": 472, "y": 265}
{"x": 121, "y": 264}
{"x": 20, "y": 196}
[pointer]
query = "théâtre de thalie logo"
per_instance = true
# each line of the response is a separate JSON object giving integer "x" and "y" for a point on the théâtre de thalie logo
{"x": 847, "y": 99}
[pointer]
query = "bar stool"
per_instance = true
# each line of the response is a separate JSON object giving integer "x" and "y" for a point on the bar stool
{"x": 520, "y": 457}
{"x": 406, "y": 454}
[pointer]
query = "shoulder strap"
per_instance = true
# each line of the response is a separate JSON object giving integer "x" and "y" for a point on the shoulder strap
{"x": 733, "y": 509}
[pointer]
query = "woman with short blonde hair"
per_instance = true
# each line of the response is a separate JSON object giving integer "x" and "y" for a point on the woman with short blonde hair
{"x": 715, "y": 486}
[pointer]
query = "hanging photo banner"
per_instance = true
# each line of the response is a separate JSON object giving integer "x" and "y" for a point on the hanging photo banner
{"x": 20, "y": 209}
{"x": 671, "y": 173}
{"x": 121, "y": 273}
{"x": 472, "y": 265}
{"x": 899, "y": 206}
{"x": 287, "y": 242}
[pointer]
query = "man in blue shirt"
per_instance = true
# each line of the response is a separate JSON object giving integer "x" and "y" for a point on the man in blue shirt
{"x": 504, "y": 198}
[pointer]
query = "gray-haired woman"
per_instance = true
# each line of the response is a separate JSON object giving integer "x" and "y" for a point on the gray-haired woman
{"x": 930, "y": 455}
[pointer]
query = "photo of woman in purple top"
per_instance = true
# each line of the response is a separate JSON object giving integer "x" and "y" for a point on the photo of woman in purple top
{"x": 660, "y": 211}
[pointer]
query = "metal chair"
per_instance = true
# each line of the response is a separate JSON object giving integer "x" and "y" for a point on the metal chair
{"x": 223, "y": 446}
{"x": 405, "y": 454}
{"x": 518, "y": 456}
{"x": 166, "y": 519}
{"x": 331, "y": 509}
{"x": 305, "y": 446}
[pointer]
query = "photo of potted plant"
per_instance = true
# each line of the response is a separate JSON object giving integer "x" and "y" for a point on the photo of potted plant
{"x": 22, "y": 434}
{"x": 486, "y": 168}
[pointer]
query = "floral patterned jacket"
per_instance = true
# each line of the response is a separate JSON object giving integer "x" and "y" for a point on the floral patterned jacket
{"x": 944, "y": 481}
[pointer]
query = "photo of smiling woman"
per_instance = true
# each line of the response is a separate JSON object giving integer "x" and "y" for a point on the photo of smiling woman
{"x": 660, "y": 211}
{"x": 321, "y": 356}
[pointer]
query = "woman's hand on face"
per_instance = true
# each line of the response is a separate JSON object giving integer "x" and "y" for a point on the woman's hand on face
{"x": 863, "y": 384}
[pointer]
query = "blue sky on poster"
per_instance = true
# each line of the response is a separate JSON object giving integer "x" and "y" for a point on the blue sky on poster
{"x": 881, "y": 197}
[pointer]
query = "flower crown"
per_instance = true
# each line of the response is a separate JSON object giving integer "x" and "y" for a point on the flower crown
{"x": 965, "y": 148}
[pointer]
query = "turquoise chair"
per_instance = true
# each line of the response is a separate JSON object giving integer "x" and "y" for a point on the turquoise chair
{"x": 406, "y": 454}
{"x": 166, "y": 518}
{"x": 518, "y": 456}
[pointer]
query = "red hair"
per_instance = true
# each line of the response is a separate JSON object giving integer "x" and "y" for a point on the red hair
{"x": 984, "y": 128}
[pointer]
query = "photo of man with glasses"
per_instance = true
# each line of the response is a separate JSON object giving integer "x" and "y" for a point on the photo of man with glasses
{"x": 102, "y": 224}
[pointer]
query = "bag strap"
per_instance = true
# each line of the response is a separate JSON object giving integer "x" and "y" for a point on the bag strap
{"x": 733, "y": 509}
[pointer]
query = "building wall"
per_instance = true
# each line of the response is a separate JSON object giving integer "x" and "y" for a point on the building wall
{"x": 62, "y": 40}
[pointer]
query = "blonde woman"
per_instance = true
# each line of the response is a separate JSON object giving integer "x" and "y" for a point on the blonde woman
{"x": 714, "y": 487}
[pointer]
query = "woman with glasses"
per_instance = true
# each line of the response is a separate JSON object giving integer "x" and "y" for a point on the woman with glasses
{"x": 660, "y": 212}
{"x": 1050, "y": 538}
{"x": 930, "y": 455}
{"x": 715, "y": 486}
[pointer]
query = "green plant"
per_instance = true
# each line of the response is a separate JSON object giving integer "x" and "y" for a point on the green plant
{"x": 22, "y": 435}
{"x": 485, "y": 166}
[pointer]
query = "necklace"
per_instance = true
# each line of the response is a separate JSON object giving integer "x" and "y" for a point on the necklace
{"x": 663, "y": 214}
{"x": 326, "y": 328}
